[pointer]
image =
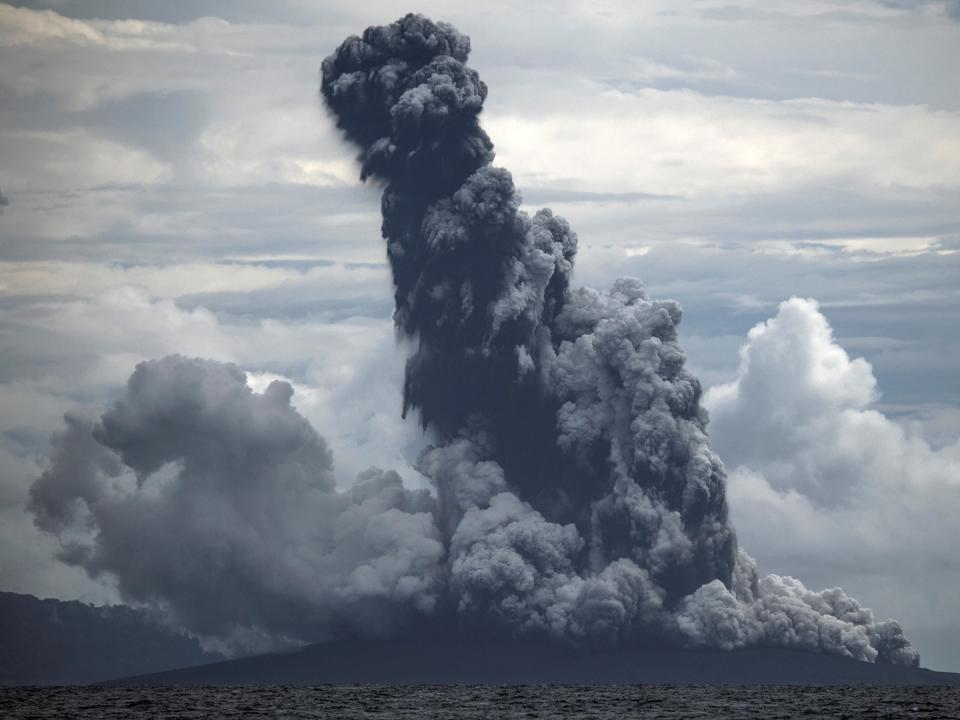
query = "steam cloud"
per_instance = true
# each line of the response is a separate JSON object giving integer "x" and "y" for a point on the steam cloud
{"x": 576, "y": 496}
{"x": 217, "y": 505}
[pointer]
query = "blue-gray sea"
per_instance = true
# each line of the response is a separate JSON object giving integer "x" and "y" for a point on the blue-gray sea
{"x": 609, "y": 702}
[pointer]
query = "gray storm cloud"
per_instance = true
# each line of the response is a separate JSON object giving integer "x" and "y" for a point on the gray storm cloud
{"x": 576, "y": 496}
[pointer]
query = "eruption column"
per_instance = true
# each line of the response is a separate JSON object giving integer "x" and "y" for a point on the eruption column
{"x": 577, "y": 497}
{"x": 576, "y": 487}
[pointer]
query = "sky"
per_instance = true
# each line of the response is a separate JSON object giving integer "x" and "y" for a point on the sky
{"x": 787, "y": 171}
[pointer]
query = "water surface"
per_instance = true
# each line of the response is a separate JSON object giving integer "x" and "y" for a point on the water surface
{"x": 609, "y": 702}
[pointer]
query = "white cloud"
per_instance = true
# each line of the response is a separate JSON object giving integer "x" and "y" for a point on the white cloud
{"x": 794, "y": 384}
{"x": 23, "y": 26}
{"x": 799, "y": 413}
{"x": 39, "y": 160}
{"x": 820, "y": 479}
{"x": 89, "y": 279}
{"x": 681, "y": 142}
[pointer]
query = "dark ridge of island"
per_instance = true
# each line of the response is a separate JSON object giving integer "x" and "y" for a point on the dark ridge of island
{"x": 452, "y": 660}
{"x": 53, "y": 642}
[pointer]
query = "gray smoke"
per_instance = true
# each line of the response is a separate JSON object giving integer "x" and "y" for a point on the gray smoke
{"x": 576, "y": 497}
{"x": 217, "y": 505}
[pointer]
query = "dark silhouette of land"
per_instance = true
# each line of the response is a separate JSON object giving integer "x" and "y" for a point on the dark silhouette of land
{"x": 51, "y": 642}
{"x": 450, "y": 660}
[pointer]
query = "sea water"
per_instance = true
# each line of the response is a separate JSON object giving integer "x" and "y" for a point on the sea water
{"x": 610, "y": 702}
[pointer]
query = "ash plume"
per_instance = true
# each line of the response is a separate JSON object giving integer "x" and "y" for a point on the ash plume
{"x": 575, "y": 495}
{"x": 216, "y": 505}
{"x": 577, "y": 492}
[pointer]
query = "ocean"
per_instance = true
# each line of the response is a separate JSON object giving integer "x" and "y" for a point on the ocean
{"x": 462, "y": 702}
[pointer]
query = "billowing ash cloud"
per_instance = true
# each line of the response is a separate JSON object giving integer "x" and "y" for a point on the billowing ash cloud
{"x": 576, "y": 495}
{"x": 217, "y": 505}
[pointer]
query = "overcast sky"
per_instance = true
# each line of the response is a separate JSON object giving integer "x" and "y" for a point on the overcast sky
{"x": 171, "y": 184}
